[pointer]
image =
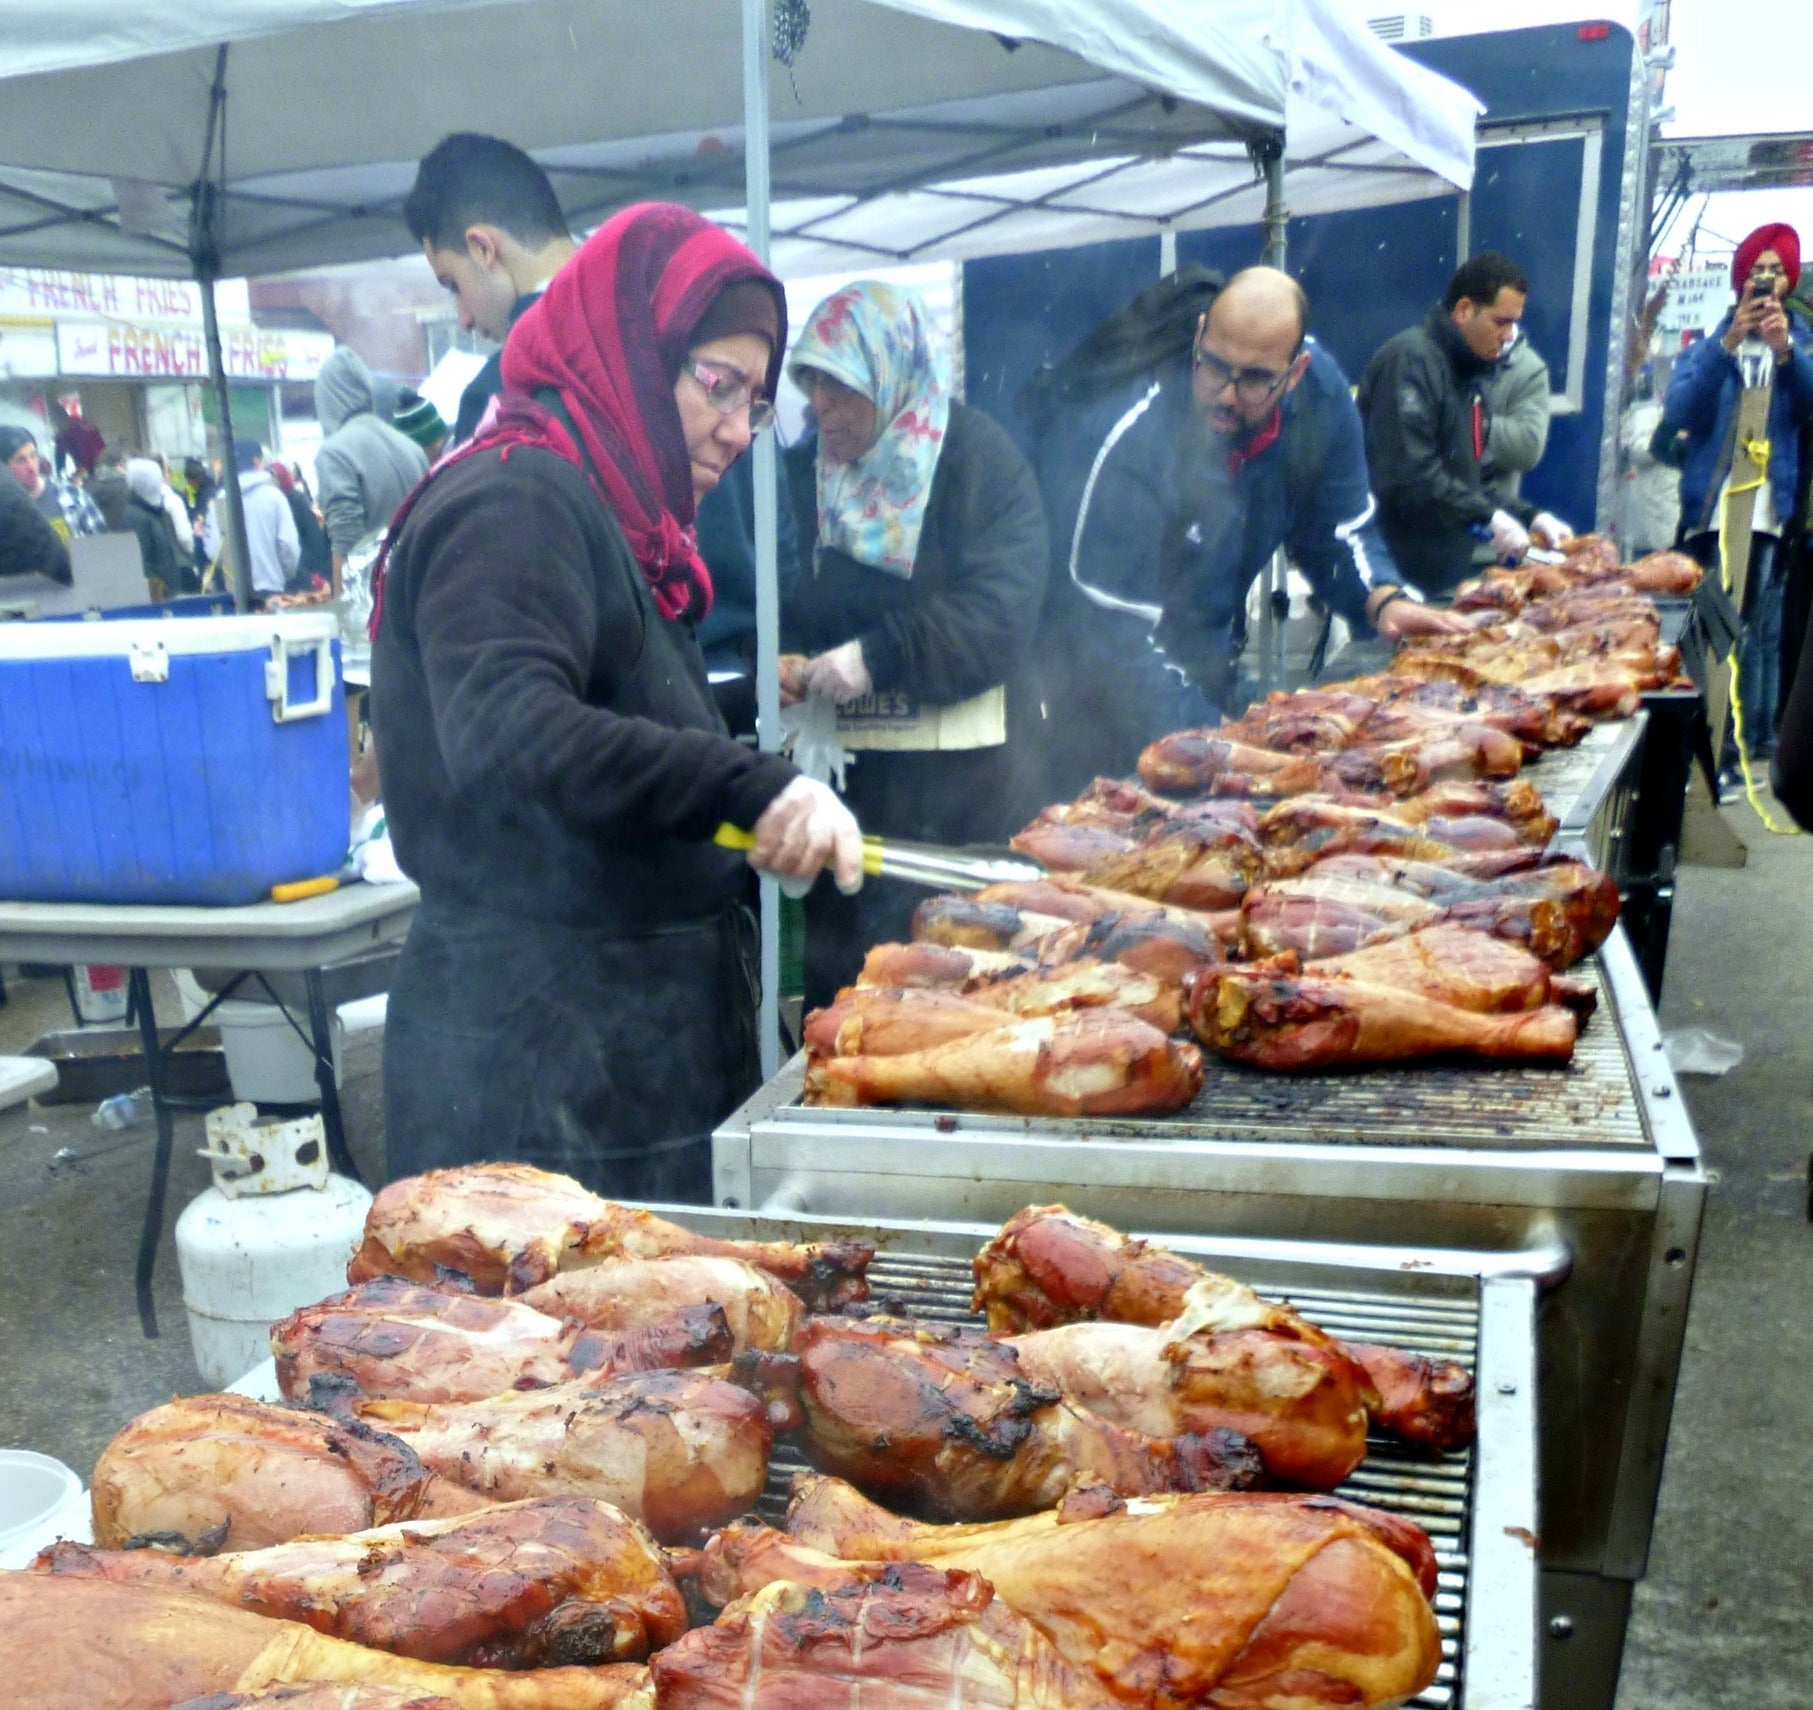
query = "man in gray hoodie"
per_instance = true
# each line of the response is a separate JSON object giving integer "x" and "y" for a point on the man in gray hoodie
{"x": 364, "y": 468}
{"x": 270, "y": 529}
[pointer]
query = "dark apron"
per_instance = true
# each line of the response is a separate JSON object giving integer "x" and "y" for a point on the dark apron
{"x": 605, "y": 1058}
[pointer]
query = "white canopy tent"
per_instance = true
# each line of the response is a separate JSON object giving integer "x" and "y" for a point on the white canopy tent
{"x": 1041, "y": 122}
{"x": 221, "y": 137}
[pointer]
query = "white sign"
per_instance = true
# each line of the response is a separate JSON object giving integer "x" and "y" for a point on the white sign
{"x": 45, "y": 291}
{"x": 127, "y": 351}
{"x": 28, "y": 351}
{"x": 1697, "y": 298}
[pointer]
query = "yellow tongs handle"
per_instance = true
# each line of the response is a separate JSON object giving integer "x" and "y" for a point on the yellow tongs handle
{"x": 729, "y": 836}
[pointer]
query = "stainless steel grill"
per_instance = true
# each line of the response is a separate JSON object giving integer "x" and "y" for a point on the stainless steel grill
{"x": 1434, "y": 1492}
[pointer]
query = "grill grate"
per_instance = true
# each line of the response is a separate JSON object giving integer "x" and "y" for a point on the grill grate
{"x": 1592, "y": 1101}
{"x": 1563, "y": 774}
{"x": 1588, "y": 1104}
{"x": 1435, "y": 1492}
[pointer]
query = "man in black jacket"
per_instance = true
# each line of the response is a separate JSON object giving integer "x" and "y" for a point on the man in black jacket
{"x": 29, "y": 546}
{"x": 1423, "y": 402}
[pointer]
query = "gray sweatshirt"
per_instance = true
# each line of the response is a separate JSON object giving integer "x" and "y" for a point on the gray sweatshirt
{"x": 364, "y": 468}
{"x": 1517, "y": 397}
{"x": 270, "y": 532}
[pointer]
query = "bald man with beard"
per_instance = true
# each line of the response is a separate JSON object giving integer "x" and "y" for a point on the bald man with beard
{"x": 1250, "y": 443}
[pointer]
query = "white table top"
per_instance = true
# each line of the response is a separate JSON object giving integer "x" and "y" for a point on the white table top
{"x": 23, "y": 1078}
{"x": 313, "y": 933}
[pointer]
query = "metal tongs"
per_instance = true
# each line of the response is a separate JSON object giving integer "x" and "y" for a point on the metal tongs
{"x": 923, "y": 863}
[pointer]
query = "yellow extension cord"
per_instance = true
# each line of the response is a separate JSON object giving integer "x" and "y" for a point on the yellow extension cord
{"x": 1758, "y": 452}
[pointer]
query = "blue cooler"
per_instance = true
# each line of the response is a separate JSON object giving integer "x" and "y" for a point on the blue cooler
{"x": 201, "y": 760}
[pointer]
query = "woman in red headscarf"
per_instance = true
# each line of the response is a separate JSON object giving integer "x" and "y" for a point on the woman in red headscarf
{"x": 1702, "y": 402}
{"x": 578, "y": 987}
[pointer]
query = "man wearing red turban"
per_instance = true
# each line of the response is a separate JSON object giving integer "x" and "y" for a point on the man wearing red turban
{"x": 1702, "y": 401}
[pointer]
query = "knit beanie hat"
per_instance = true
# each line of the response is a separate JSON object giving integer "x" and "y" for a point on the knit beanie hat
{"x": 419, "y": 420}
{"x": 13, "y": 440}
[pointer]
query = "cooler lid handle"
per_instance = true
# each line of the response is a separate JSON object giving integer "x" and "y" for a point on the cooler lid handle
{"x": 277, "y": 677}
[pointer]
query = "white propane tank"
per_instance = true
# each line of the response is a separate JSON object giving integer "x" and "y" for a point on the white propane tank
{"x": 272, "y": 1234}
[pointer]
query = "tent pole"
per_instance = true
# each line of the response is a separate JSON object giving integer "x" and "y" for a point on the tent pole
{"x": 223, "y": 402}
{"x": 206, "y": 211}
{"x": 767, "y": 589}
{"x": 1276, "y": 214}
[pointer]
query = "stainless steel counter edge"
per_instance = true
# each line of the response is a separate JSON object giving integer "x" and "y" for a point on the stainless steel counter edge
{"x": 1499, "y": 1644}
{"x": 1620, "y": 747}
{"x": 1582, "y": 1180}
{"x": 1664, "y": 1110}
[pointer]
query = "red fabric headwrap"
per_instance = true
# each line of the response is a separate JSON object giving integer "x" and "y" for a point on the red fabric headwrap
{"x": 609, "y": 335}
{"x": 1784, "y": 240}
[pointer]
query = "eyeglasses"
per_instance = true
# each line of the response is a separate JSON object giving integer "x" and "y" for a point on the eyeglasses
{"x": 1252, "y": 386}
{"x": 727, "y": 392}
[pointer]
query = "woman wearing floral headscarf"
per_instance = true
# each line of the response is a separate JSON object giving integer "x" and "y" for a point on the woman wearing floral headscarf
{"x": 915, "y": 608}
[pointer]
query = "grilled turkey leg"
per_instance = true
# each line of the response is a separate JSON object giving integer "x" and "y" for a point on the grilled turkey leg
{"x": 213, "y": 1469}
{"x": 506, "y": 1227}
{"x": 679, "y": 1451}
{"x": 903, "y": 1637}
{"x": 1091, "y": 1063}
{"x": 1312, "y": 1022}
{"x": 1302, "y": 1405}
{"x": 643, "y": 1295}
{"x": 1242, "y": 1600}
{"x": 948, "y": 1422}
{"x": 523, "y": 1585}
{"x": 393, "y": 1338}
{"x": 68, "y": 1643}
{"x": 1049, "y": 1266}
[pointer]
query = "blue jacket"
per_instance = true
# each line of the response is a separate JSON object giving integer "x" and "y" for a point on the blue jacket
{"x": 1175, "y": 540}
{"x": 1702, "y": 401}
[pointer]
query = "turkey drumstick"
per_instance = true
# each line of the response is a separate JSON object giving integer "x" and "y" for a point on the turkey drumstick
{"x": 505, "y": 1227}
{"x": 948, "y": 1422}
{"x": 1237, "y": 1601}
{"x": 522, "y": 1585}
{"x": 1049, "y": 1266}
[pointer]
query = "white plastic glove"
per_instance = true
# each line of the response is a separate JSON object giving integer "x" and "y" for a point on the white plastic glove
{"x": 803, "y": 830}
{"x": 1550, "y": 530}
{"x": 839, "y": 675}
{"x": 1510, "y": 539}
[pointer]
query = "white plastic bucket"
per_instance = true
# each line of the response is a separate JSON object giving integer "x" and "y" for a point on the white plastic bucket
{"x": 41, "y": 1500}
{"x": 268, "y": 1061}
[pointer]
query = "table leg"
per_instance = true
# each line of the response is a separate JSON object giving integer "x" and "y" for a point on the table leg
{"x": 321, "y": 1031}
{"x": 153, "y": 1229}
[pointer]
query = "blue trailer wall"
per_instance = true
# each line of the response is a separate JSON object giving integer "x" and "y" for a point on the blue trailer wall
{"x": 1372, "y": 272}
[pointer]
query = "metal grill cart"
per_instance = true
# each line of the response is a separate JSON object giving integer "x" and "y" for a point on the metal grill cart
{"x": 1598, "y": 1159}
{"x": 1478, "y": 1505}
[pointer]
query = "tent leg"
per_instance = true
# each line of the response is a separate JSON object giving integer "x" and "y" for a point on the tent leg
{"x": 767, "y": 591}
{"x": 235, "y": 500}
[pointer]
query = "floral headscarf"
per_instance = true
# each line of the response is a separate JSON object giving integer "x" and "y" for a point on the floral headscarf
{"x": 880, "y": 340}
